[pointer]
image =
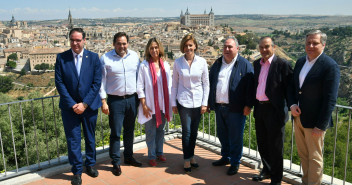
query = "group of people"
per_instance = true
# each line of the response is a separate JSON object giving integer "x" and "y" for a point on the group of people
{"x": 123, "y": 87}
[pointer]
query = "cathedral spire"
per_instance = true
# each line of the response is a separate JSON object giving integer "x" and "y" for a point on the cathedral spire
{"x": 70, "y": 21}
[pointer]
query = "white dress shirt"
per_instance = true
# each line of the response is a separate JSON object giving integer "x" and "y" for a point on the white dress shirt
{"x": 222, "y": 87}
{"x": 119, "y": 74}
{"x": 190, "y": 84}
{"x": 78, "y": 60}
{"x": 145, "y": 90}
{"x": 305, "y": 69}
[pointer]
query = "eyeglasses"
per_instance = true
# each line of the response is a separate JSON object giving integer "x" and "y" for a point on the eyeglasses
{"x": 77, "y": 41}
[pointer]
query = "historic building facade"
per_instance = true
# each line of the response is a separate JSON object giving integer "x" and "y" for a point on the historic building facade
{"x": 192, "y": 20}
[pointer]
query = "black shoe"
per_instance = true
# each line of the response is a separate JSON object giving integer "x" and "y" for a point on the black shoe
{"x": 232, "y": 170}
{"x": 116, "y": 170}
{"x": 132, "y": 161}
{"x": 194, "y": 165}
{"x": 76, "y": 180}
{"x": 262, "y": 175}
{"x": 221, "y": 162}
{"x": 91, "y": 171}
{"x": 188, "y": 170}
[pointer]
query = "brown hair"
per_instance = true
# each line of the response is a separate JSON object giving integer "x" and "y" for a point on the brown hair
{"x": 187, "y": 38}
{"x": 147, "y": 52}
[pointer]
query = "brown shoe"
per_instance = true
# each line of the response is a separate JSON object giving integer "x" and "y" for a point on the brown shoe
{"x": 116, "y": 170}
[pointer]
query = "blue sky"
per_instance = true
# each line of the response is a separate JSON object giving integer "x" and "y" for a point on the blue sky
{"x": 58, "y": 9}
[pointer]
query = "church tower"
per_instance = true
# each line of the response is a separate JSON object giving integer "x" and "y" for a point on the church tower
{"x": 70, "y": 21}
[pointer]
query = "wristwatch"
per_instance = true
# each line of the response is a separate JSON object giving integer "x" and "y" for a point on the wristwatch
{"x": 85, "y": 105}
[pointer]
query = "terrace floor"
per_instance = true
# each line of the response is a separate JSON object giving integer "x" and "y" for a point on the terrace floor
{"x": 170, "y": 172}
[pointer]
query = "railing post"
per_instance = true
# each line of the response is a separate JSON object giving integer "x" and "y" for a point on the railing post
{"x": 334, "y": 154}
{"x": 46, "y": 133}
{"x": 57, "y": 140}
{"x": 24, "y": 135}
{"x": 293, "y": 128}
{"x": 3, "y": 155}
{"x": 35, "y": 135}
{"x": 102, "y": 128}
{"x": 13, "y": 138}
{"x": 347, "y": 143}
{"x": 249, "y": 134}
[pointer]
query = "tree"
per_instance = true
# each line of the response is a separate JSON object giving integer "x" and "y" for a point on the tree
{"x": 44, "y": 66}
{"x": 23, "y": 72}
{"x": 12, "y": 57}
{"x": 5, "y": 84}
{"x": 11, "y": 64}
{"x": 37, "y": 67}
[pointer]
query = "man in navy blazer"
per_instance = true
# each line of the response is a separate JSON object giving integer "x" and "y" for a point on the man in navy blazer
{"x": 272, "y": 75}
{"x": 231, "y": 88}
{"x": 78, "y": 80}
{"x": 312, "y": 99}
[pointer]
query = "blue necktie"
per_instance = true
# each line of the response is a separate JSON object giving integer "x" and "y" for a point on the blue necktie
{"x": 78, "y": 65}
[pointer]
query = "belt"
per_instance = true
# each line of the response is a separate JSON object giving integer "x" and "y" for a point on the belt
{"x": 263, "y": 102}
{"x": 223, "y": 104}
{"x": 123, "y": 97}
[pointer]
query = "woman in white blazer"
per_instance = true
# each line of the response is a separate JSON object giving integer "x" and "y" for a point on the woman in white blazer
{"x": 154, "y": 93}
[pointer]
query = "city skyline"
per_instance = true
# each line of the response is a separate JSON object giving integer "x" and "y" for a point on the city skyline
{"x": 48, "y": 10}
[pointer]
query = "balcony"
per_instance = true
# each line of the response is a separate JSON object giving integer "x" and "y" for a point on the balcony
{"x": 33, "y": 150}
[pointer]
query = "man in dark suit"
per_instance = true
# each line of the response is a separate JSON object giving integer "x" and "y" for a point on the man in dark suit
{"x": 271, "y": 76}
{"x": 231, "y": 89}
{"x": 312, "y": 99}
{"x": 78, "y": 80}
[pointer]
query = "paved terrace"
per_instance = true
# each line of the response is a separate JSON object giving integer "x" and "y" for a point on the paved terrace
{"x": 170, "y": 172}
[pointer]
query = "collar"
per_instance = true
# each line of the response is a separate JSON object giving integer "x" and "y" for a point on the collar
{"x": 314, "y": 60}
{"x": 117, "y": 55}
{"x": 262, "y": 62}
{"x": 233, "y": 60}
{"x": 75, "y": 54}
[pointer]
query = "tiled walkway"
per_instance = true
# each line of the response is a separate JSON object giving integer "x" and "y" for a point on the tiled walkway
{"x": 170, "y": 172}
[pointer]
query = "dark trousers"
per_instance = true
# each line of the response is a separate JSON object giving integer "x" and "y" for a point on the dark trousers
{"x": 230, "y": 127}
{"x": 72, "y": 126}
{"x": 190, "y": 118}
{"x": 270, "y": 131}
{"x": 123, "y": 112}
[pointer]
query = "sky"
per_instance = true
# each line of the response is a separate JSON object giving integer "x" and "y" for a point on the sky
{"x": 58, "y": 9}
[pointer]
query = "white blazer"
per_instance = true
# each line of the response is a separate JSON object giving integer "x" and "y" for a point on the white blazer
{"x": 145, "y": 90}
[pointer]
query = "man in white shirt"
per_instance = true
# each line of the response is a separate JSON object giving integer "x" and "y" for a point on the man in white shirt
{"x": 312, "y": 99}
{"x": 231, "y": 96}
{"x": 119, "y": 83}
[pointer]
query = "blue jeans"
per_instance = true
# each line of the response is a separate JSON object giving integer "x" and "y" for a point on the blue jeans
{"x": 230, "y": 127}
{"x": 155, "y": 137}
{"x": 72, "y": 126}
{"x": 190, "y": 118}
{"x": 123, "y": 112}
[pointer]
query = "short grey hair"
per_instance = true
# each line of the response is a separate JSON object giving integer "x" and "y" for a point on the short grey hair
{"x": 233, "y": 38}
{"x": 267, "y": 37}
{"x": 323, "y": 36}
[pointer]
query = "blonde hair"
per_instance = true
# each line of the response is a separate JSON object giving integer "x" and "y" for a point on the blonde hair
{"x": 147, "y": 52}
{"x": 185, "y": 39}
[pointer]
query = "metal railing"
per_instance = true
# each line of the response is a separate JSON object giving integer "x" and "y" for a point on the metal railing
{"x": 32, "y": 138}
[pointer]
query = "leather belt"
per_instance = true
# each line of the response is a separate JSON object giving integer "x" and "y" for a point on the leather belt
{"x": 263, "y": 102}
{"x": 123, "y": 97}
{"x": 222, "y": 104}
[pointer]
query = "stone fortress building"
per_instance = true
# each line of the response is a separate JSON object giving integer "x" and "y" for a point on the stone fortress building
{"x": 192, "y": 20}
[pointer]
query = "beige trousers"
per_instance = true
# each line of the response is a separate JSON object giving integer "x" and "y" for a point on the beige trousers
{"x": 309, "y": 149}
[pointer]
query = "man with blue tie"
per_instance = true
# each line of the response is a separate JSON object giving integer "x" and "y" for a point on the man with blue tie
{"x": 78, "y": 80}
{"x": 119, "y": 86}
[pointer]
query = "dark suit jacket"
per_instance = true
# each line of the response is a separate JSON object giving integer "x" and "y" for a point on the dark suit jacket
{"x": 318, "y": 94}
{"x": 279, "y": 77}
{"x": 240, "y": 85}
{"x": 74, "y": 89}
